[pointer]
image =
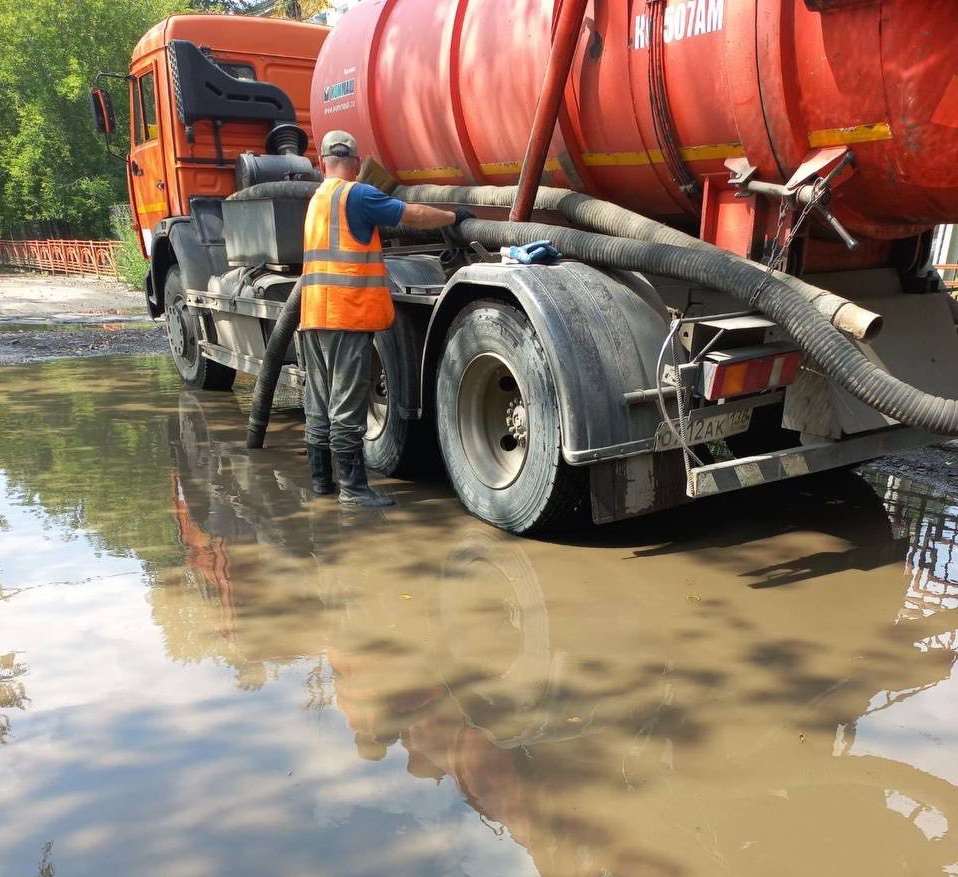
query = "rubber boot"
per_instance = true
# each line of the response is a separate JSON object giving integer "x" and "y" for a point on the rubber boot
{"x": 321, "y": 464}
{"x": 353, "y": 486}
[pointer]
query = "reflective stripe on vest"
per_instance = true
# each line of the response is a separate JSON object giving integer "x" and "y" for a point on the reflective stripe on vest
{"x": 345, "y": 284}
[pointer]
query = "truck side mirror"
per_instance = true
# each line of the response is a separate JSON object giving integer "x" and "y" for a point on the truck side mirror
{"x": 101, "y": 108}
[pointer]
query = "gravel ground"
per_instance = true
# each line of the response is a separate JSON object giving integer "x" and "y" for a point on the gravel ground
{"x": 38, "y": 295}
{"x": 935, "y": 466}
{"x": 44, "y": 318}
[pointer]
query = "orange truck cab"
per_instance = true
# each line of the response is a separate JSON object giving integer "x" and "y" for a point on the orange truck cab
{"x": 209, "y": 96}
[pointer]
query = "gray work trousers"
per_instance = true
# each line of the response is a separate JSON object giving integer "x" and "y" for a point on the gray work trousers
{"x": 337, "y": 387}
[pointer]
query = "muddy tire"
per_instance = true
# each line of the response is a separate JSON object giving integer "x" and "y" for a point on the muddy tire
{"x": 183, "y": 333}
{"x": 395, "y": 445}
{"x": 498, "y": 423}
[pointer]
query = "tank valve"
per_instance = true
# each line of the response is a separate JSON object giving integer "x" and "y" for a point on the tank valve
{"x": 798, "y": 194}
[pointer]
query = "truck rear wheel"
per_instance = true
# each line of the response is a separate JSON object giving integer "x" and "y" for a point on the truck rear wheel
{"x": 394, "y": 444}
{"x": 498, "y": 422}
{"x": 183, "y": 333}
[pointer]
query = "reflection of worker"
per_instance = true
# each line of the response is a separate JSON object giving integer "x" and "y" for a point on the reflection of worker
{"x": 346, "y": 299}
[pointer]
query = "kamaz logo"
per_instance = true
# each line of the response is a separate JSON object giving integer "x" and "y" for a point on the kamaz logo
{"x": 687, "y": 18}
{"x": 339, "y": 90}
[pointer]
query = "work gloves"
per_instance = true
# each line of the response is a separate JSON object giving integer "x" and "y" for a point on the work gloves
{"x": 462, "y": 215}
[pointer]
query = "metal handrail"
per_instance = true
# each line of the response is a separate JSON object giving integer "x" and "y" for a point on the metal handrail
{"x": 950, "y": 282}
{"x": 61, "y": 256}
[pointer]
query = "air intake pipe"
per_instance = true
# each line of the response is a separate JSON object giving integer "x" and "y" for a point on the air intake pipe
{"x": 286, "y": 144}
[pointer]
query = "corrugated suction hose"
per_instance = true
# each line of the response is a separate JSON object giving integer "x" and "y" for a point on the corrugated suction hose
{"x": 593, "y": 214}
{"x": 268, "y": 377}
{"x": 749, "y": 283}
{"x": 669, "y": 254}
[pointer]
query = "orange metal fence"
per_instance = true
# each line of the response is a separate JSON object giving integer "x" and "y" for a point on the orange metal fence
{"x": 62, "y": 257}
{"x": 949, "y": 273}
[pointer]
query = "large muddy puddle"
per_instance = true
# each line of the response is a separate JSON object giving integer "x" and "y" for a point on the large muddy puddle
{"x": 203, "y": 671}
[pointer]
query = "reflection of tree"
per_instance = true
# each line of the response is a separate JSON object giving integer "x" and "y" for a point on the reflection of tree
{"x": 13, "y": 695}
{"x": 92, "y": 453}
{"x": 46, "y": 867}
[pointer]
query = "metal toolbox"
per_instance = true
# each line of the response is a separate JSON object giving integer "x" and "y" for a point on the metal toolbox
{"x": 264, "y": 230}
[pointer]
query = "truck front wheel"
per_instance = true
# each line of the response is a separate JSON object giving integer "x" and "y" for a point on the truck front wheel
{"x": 183, "y": 333}
{"x": 498, "y": 422}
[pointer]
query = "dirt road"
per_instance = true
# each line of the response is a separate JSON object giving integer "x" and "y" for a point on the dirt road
{"x": 43, "y": 318}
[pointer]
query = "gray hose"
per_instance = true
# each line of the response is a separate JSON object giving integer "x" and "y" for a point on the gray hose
{"x": 268, "y": 377}
{"x": 668, "y": 253}
{"x": 748, "y": 282}
{"x": 301, "y": 189}
{"x": 593, "y": 214}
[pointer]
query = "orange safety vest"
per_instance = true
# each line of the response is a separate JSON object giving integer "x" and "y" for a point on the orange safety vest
{"x": 345, "y": 285}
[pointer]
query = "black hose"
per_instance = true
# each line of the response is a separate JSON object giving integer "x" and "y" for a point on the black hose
{"x": 656, "y": 249}
{"x": 302, "y": 189}
{"x": 750, "y": 283}
{"x": 268, "y": 377}
{"x": 604, "y": 217}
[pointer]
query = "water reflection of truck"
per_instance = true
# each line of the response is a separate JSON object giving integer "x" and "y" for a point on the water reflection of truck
{"x": 589, "y": 768}
{"x": 827, "y": 125}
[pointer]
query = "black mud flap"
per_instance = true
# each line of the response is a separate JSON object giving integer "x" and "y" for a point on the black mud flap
{"x": 153, "y": 304}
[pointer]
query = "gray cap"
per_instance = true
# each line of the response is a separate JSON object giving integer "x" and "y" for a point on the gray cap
{"x": 340, "y": 144}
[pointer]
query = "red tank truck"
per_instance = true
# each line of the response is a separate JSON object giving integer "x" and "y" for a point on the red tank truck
{"x": 660, "y": 360}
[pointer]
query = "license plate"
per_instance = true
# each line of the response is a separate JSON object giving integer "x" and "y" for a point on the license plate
{"x": 708, "y": 428}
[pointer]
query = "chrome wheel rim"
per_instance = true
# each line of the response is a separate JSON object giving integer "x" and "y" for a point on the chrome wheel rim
{"x": 179, "y": 329}
{"x": 378, "y": 411}
{"x": 493, "y": 421}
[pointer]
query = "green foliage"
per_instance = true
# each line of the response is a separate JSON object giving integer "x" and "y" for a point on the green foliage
{"x": 299, "y": 9}
{"x": 53, "y": 165}
{"x": 131, "y": 267}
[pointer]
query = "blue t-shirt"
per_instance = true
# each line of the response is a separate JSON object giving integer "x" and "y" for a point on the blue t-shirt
{"x": 367, "y": 207}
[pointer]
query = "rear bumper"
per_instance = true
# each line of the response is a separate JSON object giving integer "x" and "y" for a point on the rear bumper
{"x": 766, "y": 468}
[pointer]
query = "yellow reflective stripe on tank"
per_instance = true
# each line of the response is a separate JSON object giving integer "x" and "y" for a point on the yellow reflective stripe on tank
{"x": 843, "y": 136}
{"x": 428, "y": 173}
{"x": 708, "y": 152}
{"x": 499, "y": 168}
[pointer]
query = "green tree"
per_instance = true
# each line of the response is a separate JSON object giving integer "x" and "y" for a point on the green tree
{"x": 298, "y": 9}
{"x": 52, "y": 164}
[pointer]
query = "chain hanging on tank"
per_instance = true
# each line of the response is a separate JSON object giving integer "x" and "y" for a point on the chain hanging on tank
{"x": 778, "y": 257}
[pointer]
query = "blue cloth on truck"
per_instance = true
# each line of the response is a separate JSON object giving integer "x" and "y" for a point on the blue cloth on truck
{"x": 535, "y": 253}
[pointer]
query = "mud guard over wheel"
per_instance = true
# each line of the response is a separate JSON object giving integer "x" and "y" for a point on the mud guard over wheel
{"x": 183, "y": 333}
{"x": 498, "y": 422}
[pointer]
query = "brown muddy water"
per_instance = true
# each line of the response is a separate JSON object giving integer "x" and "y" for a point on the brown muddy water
{"x": 203, "y": 671}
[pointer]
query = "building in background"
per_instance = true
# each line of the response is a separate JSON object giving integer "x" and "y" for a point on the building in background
{"x": 338, "y": 9}
{"x": 944, "y": 253}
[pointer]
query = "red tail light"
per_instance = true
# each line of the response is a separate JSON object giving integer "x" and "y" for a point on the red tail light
{"x": 730, "y": 373}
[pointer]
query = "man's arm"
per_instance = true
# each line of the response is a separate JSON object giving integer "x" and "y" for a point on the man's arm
{"x": 379, "y": 209}
{"x": 424, "y": 216}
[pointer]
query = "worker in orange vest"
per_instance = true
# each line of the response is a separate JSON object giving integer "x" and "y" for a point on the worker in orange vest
{"x": 345, "y": 300}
